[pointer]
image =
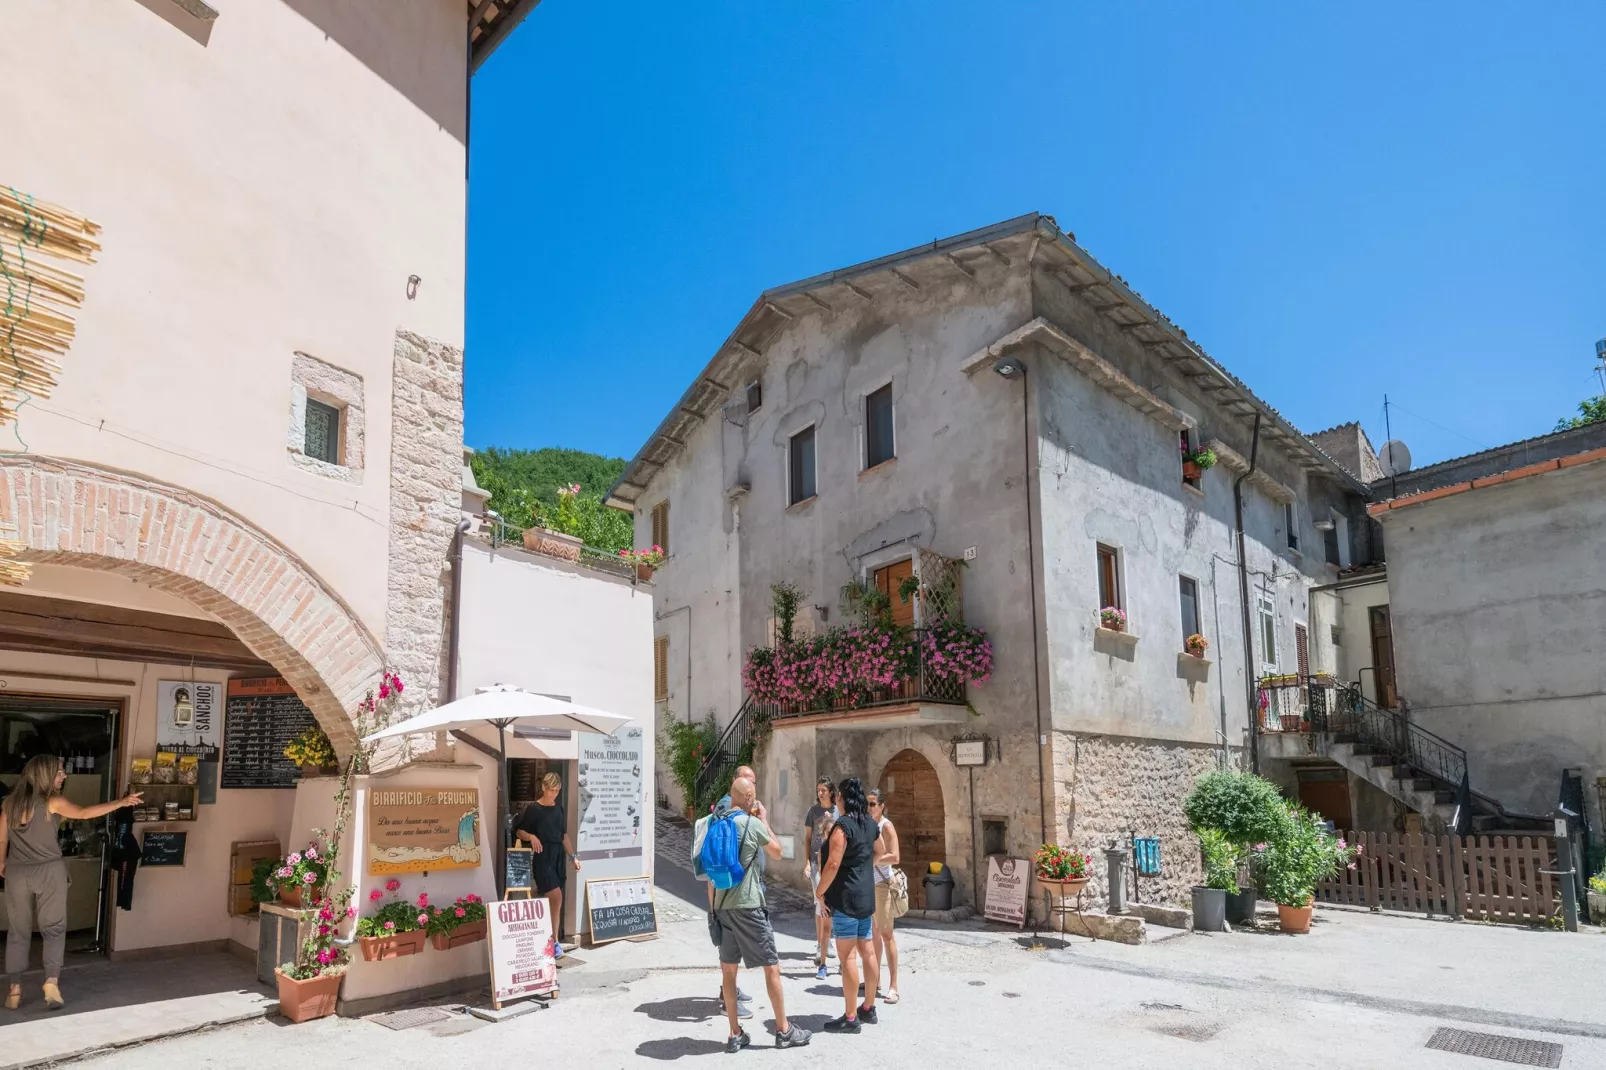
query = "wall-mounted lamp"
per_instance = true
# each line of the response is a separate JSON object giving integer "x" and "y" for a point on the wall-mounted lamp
{"x": 1009, "y": 367}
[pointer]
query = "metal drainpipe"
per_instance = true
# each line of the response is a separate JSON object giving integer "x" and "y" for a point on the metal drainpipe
{"x": 1243, "y": 594}
{"x": 457, "y": 607}
{"x": 1031, "y": 572}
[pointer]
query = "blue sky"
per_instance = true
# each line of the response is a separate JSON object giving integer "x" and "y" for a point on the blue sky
{"x": 1337, "y": 201}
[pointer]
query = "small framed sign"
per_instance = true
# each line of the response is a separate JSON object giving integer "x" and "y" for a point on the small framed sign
{"x": 621, "y": 908}
{"x": 520, "y": 873}
{"x": 970, "y": 752}
{"x": 162, "y": 848}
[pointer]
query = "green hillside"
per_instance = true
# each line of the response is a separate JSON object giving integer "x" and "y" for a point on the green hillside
{"x": 524, "y": 488}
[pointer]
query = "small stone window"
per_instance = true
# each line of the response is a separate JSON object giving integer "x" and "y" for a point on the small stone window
{"x": 326, "y": 419}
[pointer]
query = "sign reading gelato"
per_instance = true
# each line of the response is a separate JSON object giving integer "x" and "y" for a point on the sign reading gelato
{"x": 415, "y": 829}
{"x": 523, "y": 956}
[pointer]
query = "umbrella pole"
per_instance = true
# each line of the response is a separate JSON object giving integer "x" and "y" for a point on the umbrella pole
{"x": 505, "y": 807}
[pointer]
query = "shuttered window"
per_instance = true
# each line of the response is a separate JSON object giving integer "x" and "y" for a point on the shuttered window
{"x": 660, "y": 668}
{"x": 878, "y": 445}
{"x": 1302, "y": 649}
{"x": 660, "y": 526}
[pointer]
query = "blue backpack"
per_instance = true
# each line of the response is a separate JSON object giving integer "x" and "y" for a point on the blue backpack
{"x": 721, "y": 856}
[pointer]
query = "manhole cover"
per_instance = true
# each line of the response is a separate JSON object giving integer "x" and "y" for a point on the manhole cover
{"x": 1493, "y": 1046}
{"x": 409, "y": 1019}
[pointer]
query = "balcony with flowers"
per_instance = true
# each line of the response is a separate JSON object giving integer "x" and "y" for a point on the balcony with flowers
{"x": 872, "y": 673}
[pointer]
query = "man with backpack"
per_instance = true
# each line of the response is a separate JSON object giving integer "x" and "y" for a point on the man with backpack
{"x": 729, "y": 844}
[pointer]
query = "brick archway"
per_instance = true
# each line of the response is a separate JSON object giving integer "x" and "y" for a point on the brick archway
{"x": 90, "y": 517}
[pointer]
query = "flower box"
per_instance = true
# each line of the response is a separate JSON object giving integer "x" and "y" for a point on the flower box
{"x": 467, "y": 933}
{"x": 304, "y": 1001}
{"x": 300, "y": 898}
{"x": 552, "y": 544}
{"x": 378, "y": 948}
{"x": 1290, "y": 722}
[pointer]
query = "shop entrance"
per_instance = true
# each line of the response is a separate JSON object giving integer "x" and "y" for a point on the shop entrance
{"x": 524, "y": 787}
{"x": 84, "y": 734}
{"x": 914, "y": 804}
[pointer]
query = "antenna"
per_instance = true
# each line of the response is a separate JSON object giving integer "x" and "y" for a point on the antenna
{"x": 1388, "y": 433}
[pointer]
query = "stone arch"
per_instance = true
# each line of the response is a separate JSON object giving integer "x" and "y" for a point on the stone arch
{"x": 88, "y": 516}
{"x": 917, "y": 805}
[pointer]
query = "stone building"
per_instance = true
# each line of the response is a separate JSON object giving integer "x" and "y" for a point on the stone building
{"x": 1000, "y": 408}
{"x": 251, "y": 461}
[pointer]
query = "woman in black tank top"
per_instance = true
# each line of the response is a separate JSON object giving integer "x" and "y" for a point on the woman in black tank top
{"x": 847, "y": 887}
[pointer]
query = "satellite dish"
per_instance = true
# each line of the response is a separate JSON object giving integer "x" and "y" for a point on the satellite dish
{"x": 1395, "y": 458}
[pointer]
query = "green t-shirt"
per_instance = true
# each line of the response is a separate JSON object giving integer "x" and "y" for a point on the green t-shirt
{"x": 752, "y": 835}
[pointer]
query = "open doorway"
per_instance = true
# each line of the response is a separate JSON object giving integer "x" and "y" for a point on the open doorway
{"x": 84, "y": 734}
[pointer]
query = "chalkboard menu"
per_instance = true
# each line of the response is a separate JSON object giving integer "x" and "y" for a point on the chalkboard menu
{"x": 621, "y": 908}
{"x": 263, "y": 716}
{"x": 520, "y": 874}
{"x": 162, "y": 848}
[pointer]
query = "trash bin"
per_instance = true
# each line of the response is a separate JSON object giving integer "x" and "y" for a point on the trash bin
{"x": 939, "y": 887}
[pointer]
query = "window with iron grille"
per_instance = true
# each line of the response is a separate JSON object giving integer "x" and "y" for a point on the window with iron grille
{"x": 323, "y": 432}
{"x": 878, "y": 444}
{"x": 800, "y": 464}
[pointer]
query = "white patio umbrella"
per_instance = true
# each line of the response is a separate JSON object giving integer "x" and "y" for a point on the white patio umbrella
{"x": 503, "y": 707}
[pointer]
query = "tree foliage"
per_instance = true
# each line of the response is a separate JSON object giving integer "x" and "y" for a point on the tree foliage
{"x": 523, "y": 485}
{"x": 1590, "y": 411}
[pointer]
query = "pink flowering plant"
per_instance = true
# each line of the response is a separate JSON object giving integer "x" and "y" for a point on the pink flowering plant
{"x": 1113, "y": 617}
{"x": 307, "y": 870}
{"x": 396, "y": 915}
{"x": 443, "y": 921}
{"x": 651, "y": 558}
{"x": 324, "y": 951}
{"x": 1302, "y": 855}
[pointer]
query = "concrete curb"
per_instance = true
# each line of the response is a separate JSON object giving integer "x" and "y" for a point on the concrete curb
{"x": 271, "y": 1007}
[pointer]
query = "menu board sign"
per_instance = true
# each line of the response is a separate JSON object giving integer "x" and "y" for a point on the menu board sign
{"x": 610, "y": 794}
{"x": 1007, "y": 881}
{"x": 621, "y": 908}
{"x": 523, "y": 958}
{"x": 263, "y": 716}
{"x": 411, "y": 830}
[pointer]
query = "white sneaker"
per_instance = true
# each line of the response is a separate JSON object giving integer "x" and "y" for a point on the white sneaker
{"x": 830, "y": 950}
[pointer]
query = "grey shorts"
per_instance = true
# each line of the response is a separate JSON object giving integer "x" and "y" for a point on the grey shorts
{"x": 747, "y": 938}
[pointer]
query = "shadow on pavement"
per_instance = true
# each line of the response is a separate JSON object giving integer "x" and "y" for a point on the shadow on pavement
{"x": 685, "y": 1010}
{"x": 676, "y": 1048}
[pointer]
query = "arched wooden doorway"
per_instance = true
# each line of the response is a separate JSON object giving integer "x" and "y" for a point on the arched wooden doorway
{"x": 914, "y": 803}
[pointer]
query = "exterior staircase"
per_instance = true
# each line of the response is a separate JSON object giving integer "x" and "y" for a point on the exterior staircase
{"x": 1417, "y": 768}
{"x": 734, "y": 749}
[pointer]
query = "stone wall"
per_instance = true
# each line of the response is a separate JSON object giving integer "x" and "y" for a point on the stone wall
{"x": 1108, "y": 786}
{"x": 426, "y": 489}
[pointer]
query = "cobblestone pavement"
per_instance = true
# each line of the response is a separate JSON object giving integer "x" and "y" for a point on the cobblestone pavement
{"x": 674, "y": 847}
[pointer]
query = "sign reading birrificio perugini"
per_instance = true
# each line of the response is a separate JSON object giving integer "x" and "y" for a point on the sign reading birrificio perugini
{"x": 415, "y": 829}
{"x": 523, "y": 958}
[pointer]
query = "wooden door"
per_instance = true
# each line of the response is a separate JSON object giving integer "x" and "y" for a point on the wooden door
{"x": 914, "y": 805}
{"x": 1330, "y": 798}
{"x": 887, "y": 581}
{"x": 1383, "y": 656}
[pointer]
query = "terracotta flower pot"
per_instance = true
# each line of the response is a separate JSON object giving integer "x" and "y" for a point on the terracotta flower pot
{"x": 303, "y": 1001}
{"x": 1069, "y": 887}
{"x": 643, "y": 572}
{"x": 378, "y": 948}
{"x": 467, "y": 933}
{"x": 1191, "y": 471}
{"x": 1290, "y": 722}
{"x": 299, "y": 898}
{"x": 1294, "y": 919}
{"x": 552, "y": 544}
{"x": 1112, "y": 625}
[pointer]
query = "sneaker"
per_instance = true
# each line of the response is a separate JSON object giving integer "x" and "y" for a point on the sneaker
{"x": 741, "y": 1011}
{"x": 794, "y": 1037}
{"x": 738, "y": 1042}
{"x": 830, "y": 951}
{"x": 867, "y": 1015}
{"x": 843, "y": 1024}
{"x": 743, "y": 997}
{"x": 820, "y": 973}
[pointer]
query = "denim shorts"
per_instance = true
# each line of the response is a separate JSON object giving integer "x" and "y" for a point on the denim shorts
{"x": 844, "y": 927}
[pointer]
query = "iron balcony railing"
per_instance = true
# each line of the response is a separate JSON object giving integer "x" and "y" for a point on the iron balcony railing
{"x": 500, "y": 533}
{"x": 921, "y": 685}
{"x": 735, "y": 748}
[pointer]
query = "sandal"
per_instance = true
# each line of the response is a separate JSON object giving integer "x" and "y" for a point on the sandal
{"x": 53, "y": 1000}
{"x": 891, "y": 996}
{"x": 13, "y": 999}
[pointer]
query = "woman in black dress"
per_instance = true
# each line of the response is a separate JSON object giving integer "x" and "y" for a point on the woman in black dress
{"x": 544, "y": 826}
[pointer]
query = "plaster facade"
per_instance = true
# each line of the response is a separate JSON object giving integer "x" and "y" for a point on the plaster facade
{"x": 1024, "y": 480}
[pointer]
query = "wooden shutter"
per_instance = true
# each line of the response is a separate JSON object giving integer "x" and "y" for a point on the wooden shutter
{"x": 1302, "y": 650}
{"x": 660, "y": 668}
{"x": 660, "y": 526}
{"x": 887, "y": 581}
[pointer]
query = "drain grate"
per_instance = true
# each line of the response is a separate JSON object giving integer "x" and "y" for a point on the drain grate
{"x": 410, "y": 1018}
{"x": 1493, "y": 1046}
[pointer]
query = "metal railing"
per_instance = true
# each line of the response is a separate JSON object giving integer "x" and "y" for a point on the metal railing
{"x": 735, "y": 747}
{"x": 500, "y": 533}
{"x": 921, "y": 684}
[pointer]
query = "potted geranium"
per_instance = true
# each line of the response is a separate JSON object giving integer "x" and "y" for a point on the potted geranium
{"x": 313, "y": 752}
{"x": 1292, "y": 863}
{"x": 1064, "y": 866}
{"x": 461, "y": 923}
{"x": 1196, "y": 463}
{"x": 1196, "y": 645}
{"x": 645, "y": 561}
{"x": 1221, "y": 858}
{"x": 300, "y": 876}
{"x": 395, "y": 929}
{"x": 1113, "y": 618}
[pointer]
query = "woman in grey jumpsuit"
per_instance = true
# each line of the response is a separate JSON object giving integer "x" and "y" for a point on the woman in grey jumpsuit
{"x": 31, "y": 863}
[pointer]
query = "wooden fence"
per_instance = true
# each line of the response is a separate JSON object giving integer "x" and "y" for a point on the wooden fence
{"x": 1500, "y": 878}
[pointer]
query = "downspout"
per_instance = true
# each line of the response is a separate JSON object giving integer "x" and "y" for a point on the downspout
{"x": 1243, "y": 594}
{"x": 1031, "y": 573}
